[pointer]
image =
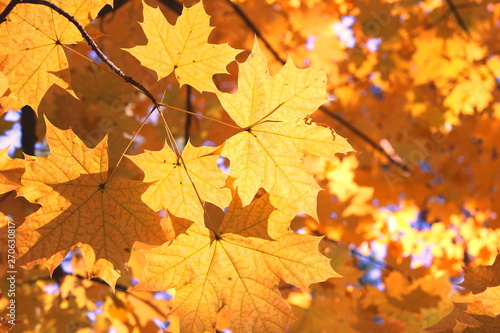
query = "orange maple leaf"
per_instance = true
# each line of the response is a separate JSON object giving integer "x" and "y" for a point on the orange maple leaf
{"x": 477, "y": 279}
{"x": 238, "y": 266}
{"x": 467, "y": 317}
{"x": 11, "y": 171}
{"x": 79, "y": 207}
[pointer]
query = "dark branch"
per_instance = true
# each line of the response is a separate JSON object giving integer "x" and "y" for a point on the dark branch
{"x": 458, "y": 17}
{"x": 95, "y": 48}
{"x": 174, "y": 6}
{"x": 366, "y": 138}
{"x": 28, "y": 129}
{"x": 448, "y": 12}
{"x": 8, "y": 9}
{"x": 329, "y": 113}
{"x": 248, "y": 22}
{"x": 189, "y": 117}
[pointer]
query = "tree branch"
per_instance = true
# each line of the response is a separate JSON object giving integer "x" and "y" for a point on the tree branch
{"x": 174, "y": 5}
{"x": 458, "y": 17}
{"x": 28, "y": 130}
{"x": 8, "y": 9}
{"x": 189, "y": 116}
{"x": 94, "y": 47}
{"x": 366, "y": 138}
{"x": 250, "y": 24}
{"x": 325, "y": 110}
{"x": 357, "y": 253}
{"x": 97, "y": 280}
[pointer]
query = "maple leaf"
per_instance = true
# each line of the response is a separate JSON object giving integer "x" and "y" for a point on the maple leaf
{"x": 480, "y": 312}
{"x": 177, "y": 191}
{"x": 11, "y": 171}
{"x": 34, "y": 36}
{"x": 237, "y": 266}
{"x": 276, "y": 132}
{"x": 491, "y": 299}
{"x": 399, "y": 99}
{"x": 467, "y": 317}
{"x": 183, "y": 47}
{"x": 477, "y": 279}
{"x": 79, "y": 207}
{"x": 457, "y": 315}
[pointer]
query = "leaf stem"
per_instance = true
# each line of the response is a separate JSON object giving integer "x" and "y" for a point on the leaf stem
{"x": 199, "y": 115}
{"x": 131, "y": 141}
{"x": 178, "y": 153}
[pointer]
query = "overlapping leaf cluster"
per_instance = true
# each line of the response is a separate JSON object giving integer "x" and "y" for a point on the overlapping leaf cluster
{"x": 401, "y": 218}
{"x": 236, "y": 263}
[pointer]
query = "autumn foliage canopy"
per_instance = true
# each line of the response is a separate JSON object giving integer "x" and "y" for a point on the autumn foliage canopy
{"x": 252, "y": 166}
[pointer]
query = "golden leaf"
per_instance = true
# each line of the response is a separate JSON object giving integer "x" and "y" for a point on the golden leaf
{"x": 79, "y": 207}
{"x": 237, "y": 266}
{"x": 183, "y": 48}
{"x": 272, "y": 113}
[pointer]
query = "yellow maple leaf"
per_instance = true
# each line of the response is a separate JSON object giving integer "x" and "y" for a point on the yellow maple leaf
{"x": 79, "y": 207}
{"x": 276, "y": 132}
{"x": 491, "y": 299}
{"x": 237, "y": 266}
{"x": 183, "y": 48}
{"x": 11, "y": 171}
{"x": 174, "y": 189}
{"x": 470, "y": 95}
{"x": 33, "y": 36}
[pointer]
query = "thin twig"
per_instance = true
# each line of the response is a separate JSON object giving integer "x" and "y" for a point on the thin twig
{"x": 325, "y": 110}
{"x": 94, "y": 47}
{"x": 180, "y": 160}
{"x": 7, "y": 10}
{"x": 132, "y": 139}
{"x": 147, "y": 302}
{"x": 366, "y": 138}
{"x": 118, "y": 287}
{"x": 445, "y": 14}
{"x": 458, "y": 17}
{"x": 357, "y": 253}
{"x": 436, "y": 21}
{"x": 189, "y": 117}
{"x": 250, "y": 24}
